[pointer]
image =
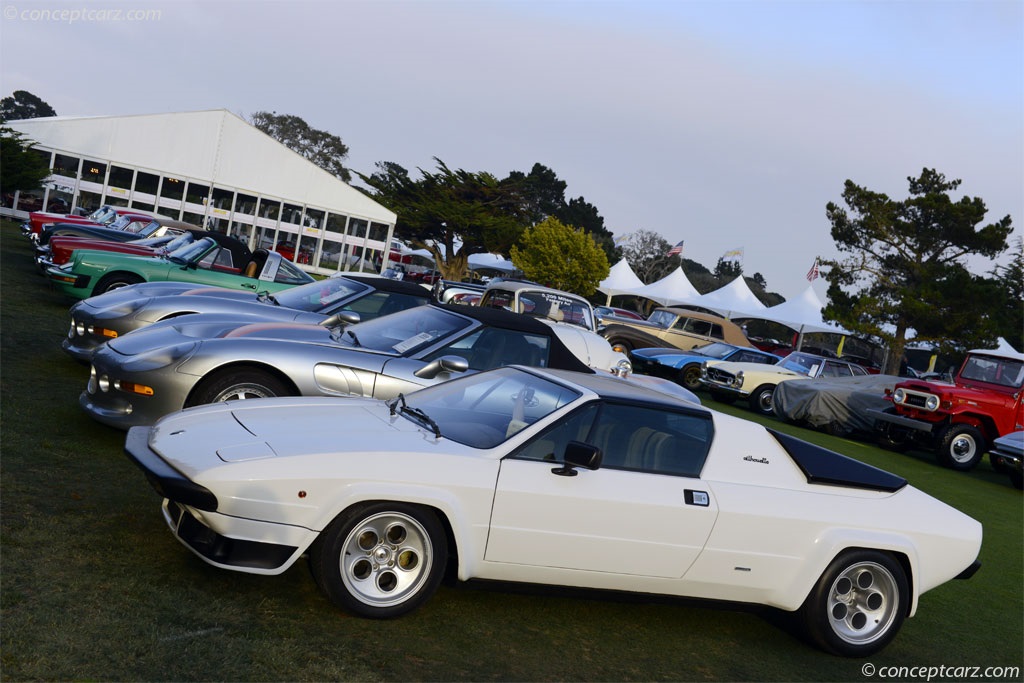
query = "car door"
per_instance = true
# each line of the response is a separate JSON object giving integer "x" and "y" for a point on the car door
{"x": 644, "y": 512}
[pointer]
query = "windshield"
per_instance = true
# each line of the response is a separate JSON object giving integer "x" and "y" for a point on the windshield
{"x": 405, "y": 332}
{"x": 799, "y": 362}
{"x": 1002, "y": 371}
{"x": 120, "y": 222}
{"x": 318, "y": 295}
{"x": 714, "y": 350}
{"x": 147, "y": 229}
{"x": 102, "y": 214}
{"x": 663, "y": 318}
{"x": 555, "y": 306}
{"x": 485, "y": 409}
{"x": 192, "y": 251}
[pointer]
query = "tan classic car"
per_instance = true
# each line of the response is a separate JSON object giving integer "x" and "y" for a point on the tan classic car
{"x": 666, "y": 327}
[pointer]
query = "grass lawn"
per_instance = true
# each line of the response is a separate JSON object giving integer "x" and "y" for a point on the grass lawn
{"x": 93, "y": 586}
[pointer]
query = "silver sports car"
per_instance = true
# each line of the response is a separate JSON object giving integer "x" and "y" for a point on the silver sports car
{"x": 199, "y": 359}
{"x": 107, "y": 316}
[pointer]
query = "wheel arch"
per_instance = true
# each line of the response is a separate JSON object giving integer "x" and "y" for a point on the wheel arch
{"x": 120, "y": 272}
{"x": 235, "y": 366}
{"x": 838, "y": 541}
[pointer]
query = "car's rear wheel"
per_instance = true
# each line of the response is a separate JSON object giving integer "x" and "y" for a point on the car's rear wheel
{"x": 116, "y": 281}
{"x": 961, "y": 447}
{"x": 858, "y": 604}
{"x": 235, "y": 385}
{"x": 381, "y": 560}
{"x": 761, "y": 399}
{"x": 689, "y": 376}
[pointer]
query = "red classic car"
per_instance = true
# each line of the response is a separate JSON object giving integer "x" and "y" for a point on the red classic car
{"x": 105, "y": 215}
{"x": 59, "y": 249}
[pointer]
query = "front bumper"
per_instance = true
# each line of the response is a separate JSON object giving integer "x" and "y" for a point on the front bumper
{"x": 190, "y": 512}
{"x": 902, "y": 421}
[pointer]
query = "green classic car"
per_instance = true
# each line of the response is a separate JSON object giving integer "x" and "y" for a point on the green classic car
{"x": 216, "y": 260}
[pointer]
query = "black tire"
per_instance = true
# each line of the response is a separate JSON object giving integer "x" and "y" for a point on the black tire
{"x": 689, "y": 376}
{"x": 380, "y": 560}
{"x": 238, "y": 384}
{"x": 1017, "y": 479}
{"x": 725, "y": 397}
{"x": 116, "y": 281}
{"x": 858, "y": 604}
{"x": 761, "y": 399}
{"x": 961, "y": 447}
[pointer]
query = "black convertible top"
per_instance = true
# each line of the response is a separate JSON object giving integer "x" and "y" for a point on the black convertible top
{"x": 386, "y": 284}
{"x": 561, "y": 357}
{"x": 822, "y": 466}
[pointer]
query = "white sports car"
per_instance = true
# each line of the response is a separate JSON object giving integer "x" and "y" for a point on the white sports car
{"x": 552, "y": 477}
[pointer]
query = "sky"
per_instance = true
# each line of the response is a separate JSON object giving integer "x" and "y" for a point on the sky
{"x": 726, "y": 124}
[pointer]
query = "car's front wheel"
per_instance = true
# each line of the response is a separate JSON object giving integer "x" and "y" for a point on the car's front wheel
{"x": 116, "y": 281}
{"x": 858, "y": 604}
{"x": 761, "y": 399}
{"x": 233, "y": 385}
{"x": 689, "y": 376}
{"x": 961, "y": 447}
{"x": 381, "y": 560}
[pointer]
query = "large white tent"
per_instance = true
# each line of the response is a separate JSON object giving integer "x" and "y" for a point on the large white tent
{"x": 621, "y": 280}
{"x": 674, "y": 288}
{"x": 802, "y": 313}
{"x": 732, "y": 300}
{"x": 211, "y": 168}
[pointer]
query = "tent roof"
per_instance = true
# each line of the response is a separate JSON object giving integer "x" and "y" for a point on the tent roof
{"x": 802, "y": 313}
{"x": 621, "y": 280}
{"x": 215, "y": 147}
{"x": 732, "y": 300}
{"x": 674, "y": 288}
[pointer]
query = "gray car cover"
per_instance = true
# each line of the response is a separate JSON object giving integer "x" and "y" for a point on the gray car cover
{"x": 840, "y": 402}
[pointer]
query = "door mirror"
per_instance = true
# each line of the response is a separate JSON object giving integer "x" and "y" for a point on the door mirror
{"x": 578, "y": 454}
{"x": 442, "y": 364}
{"x": 341, "y": 318}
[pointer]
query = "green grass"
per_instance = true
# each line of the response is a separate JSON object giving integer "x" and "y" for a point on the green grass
{"x": 93, "y": 586}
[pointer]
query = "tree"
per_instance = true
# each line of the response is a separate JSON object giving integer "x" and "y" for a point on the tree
{"x": 1008, "y": 297}
{"x": 561, "y": 256}
{"x": 905, "y": 265}
{"x": 23, "y": 105}
{"x": 728, "y": 270}
{"x": 646, "y": 252}
{"x": 322, "y": 148}
{"x": 20, "y": 168}
{"x": 580, "y": 213}
{"x": 453, "y": 213}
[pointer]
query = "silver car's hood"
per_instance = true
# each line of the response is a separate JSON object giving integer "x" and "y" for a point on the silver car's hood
{"x": 191, "y": 328}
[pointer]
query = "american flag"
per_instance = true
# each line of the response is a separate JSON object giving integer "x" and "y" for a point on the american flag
{"x": 678, "y": 249}
{"x": 812, "y": 274}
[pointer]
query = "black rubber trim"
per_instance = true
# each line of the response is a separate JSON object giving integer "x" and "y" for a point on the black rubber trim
{"x": 970, "y": 571}
{"x": 822, "y": 466}
{"x": 168, "y": 482}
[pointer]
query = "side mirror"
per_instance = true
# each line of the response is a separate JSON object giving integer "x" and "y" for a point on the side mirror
{"x": 341, "y": 318}
{"x": 578, "y": 454}
{"x": 442, "y": 364}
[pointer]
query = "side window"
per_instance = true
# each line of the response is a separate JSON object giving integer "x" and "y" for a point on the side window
{"x": 216, "y": 257}
{"x": 549, "y": 446}
{"x": 836, "y": 370}
{"x": 381, "y": 303}
{"x": 716, "y": 331}
{"x": 289, "y": 273}
{"x": 698, "y": 327}
{"x": 493, "y": 347}
{"x": 652, "y": 440}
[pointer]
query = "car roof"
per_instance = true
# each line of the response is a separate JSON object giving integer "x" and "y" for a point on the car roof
{"x": 388, "y": 285}
{"x": 173, "y": 223}
{"x": 518, "y": 285}
{"x": 615, "y": 388}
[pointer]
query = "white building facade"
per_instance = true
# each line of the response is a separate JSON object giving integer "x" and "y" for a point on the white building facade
{"x": 212, "y": 169}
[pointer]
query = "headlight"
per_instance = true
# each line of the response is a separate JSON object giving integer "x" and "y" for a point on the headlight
{"x": 704, "y": 369}
{"x": 932, "y": 403}
{"x": 899, "y": 396}
{"x": 738, "y": 382}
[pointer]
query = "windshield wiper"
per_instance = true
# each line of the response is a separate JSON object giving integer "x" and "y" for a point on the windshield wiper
{"x": 422, "y": 417}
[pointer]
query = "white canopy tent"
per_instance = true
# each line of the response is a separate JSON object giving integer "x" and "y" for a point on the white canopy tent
{"x": 674, "y": 288}
{"x": 733, "y": 300}
{"x": 802, "y": 314}
{"x": 621, "y": 280}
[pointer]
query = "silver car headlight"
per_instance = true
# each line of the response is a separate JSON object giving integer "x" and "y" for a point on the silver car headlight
{"x": 932, "y": 403}
{"x": 899, "y": 396}
{"x": 738, "y": 381}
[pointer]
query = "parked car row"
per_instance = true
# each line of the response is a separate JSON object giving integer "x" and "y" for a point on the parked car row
{"x": 959, "y": 421}
{"x": 393, "y": 438}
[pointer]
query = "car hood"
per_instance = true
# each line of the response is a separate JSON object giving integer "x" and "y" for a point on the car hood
{"x": 208, "y": 437}
{"x": 191, "y": 328}
{"x": 733, "y": 367}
